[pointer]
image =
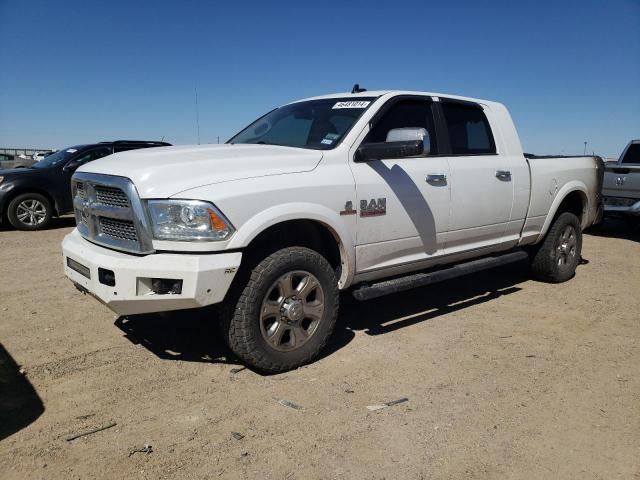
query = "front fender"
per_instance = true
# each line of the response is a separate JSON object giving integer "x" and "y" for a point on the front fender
{"x": 301, "y": 211}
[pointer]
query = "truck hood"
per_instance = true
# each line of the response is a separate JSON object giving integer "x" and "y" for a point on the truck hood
{"x": 166, "y": 171}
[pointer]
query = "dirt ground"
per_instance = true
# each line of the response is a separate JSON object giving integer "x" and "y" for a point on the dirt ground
{"x": 506, "y": 378}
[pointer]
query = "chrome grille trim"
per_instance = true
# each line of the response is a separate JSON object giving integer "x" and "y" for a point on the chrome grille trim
{"x": 109, "y": 212}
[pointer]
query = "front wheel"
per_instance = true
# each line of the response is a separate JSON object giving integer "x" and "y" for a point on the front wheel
{"x": 556, "y": 258}
{"x": 286, "y": 312}
{"x": 29, "y": 211}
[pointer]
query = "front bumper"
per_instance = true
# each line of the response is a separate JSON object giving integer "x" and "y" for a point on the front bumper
{"x": 205, "y": 277}
{"x": 621, "y": 206}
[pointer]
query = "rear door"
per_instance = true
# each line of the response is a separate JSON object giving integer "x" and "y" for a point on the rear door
{"x": 482, "y": 190}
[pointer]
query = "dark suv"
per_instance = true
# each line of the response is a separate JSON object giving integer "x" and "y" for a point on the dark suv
{"x": 29, "y": 197}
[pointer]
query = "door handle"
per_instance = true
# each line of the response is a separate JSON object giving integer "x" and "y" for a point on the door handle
{"x": 437, "y": 179}
{"x": 504, "y": 175}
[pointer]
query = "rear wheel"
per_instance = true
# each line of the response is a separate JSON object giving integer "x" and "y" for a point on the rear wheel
{"x": 556, "y": 258}
{"x": 286, "y": 312}
{"x": 29, "y": 211}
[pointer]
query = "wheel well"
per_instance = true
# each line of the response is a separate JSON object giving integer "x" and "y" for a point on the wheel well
{"x": 15, "y": 193}
{"x": 301, "y": 233}
{"x": 574, "y": 203}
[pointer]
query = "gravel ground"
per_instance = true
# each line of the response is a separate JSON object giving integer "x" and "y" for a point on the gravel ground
{"x": 506, "y": 378}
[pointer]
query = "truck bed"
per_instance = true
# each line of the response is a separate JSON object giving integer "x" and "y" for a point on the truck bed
{"x": 551, "y": 176}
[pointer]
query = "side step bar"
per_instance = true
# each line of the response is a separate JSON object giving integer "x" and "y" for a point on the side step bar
{"x": 367, "y": 292}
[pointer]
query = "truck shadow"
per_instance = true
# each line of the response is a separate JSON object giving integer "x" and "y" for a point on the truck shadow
{"x": 186, "y": 335}
{"x": 20, "y": 405}
{"x": 193, "y": 335}
{"x": 412, "y": 200}
{"x": 617, "y": 228}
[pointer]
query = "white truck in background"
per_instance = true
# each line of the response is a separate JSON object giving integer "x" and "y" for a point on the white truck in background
{"x": 375, "y": 192}
{"x": 621, "y": 187}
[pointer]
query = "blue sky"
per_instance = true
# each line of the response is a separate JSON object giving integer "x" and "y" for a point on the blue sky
{"x": 83, "y": 71}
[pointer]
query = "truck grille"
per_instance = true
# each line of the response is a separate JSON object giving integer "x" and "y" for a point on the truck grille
{"x": 112, "y": 197}
{"x": 122, "y": 229}
{"x": 109, "y": 212}
{"x": 81, "y": 192}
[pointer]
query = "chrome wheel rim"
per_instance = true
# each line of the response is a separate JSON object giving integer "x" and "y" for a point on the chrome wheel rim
{"x": 567, "y": 246}
{"x": 291, "y": 310}
{"x": 31, "y": 212}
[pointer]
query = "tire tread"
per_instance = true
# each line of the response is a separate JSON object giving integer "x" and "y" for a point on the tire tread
{"x": 237, "y": 324}
{"x": 543, "y": 264}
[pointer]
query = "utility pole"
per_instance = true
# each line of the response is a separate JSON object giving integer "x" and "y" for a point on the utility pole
{"x": 197, "y": 116}
{"x": 585, "y": 148}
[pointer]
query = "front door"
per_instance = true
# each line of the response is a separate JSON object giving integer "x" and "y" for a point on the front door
{"x": 402, "y": 203}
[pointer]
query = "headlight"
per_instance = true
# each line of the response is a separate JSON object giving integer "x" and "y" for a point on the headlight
{"x": 188, "y": 220}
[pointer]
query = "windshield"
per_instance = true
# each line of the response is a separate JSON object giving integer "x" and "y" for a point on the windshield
{"x": 57, "y": 158}
{"x": 314, "y": 124}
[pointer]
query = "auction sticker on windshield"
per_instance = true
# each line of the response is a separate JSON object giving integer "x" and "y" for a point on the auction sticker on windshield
{"x": 329, "y": 138}
{"x": 351, "y": 104}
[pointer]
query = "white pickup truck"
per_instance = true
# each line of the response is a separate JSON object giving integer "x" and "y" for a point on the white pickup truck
{"x": 375, "y": 192}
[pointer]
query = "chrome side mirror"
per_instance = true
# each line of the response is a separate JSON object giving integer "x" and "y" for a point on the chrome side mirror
{"x": 408, "y": 134}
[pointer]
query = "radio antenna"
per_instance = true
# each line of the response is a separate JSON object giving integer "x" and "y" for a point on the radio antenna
{"x": 197, "y": 115}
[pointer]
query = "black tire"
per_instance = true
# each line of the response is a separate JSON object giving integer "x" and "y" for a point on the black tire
{"x": 632, "y": 222}
{"x": 36, "y": 218}
{"x": 556, "y": 258}
{"x": 246, "y": 328}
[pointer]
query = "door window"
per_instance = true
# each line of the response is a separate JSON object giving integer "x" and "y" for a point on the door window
{"x": 403, "y": 114}
{"x": 469, "y": 130}
{"x": 633, "y": 154}
{"x": 92, "y": 155}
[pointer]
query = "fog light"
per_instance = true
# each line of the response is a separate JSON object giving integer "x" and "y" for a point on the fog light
{"x": 164, "y": 286}
{"x": 107, "y": 277}
{"x": 78, "y": 267}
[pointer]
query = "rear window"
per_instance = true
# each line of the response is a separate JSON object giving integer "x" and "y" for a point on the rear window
{"x": 632, "y": 154}
{"x": 469, "y": 131}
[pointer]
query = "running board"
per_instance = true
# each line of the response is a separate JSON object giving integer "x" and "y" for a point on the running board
{"x": 367, "y": 292}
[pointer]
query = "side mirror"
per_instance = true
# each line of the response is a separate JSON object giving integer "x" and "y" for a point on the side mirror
{"x": 400, "y": 143}
{"x": 72, "y": 166}
{"x": 411, "y": 133}
{"x": 378, "y": 151}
